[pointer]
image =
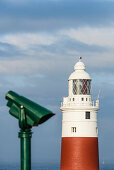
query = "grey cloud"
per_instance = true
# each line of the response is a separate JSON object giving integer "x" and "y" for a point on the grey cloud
{"x": 65, "y": 44}
{"x": 8, "y": 50}
{"x": 62, "y": 47}
{"x": 52, "y": 15}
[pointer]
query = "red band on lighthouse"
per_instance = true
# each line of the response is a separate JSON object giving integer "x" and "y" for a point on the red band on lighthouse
{"x": 79, "y": 153}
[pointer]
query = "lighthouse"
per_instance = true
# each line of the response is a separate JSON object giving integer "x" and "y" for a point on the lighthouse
{"x": 79, "y": 143}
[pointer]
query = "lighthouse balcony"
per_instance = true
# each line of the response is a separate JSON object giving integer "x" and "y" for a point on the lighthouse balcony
{"x": 83, "y": 101}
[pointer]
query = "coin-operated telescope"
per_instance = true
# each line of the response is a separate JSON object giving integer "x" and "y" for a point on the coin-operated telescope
{"x": 29, "y": 114}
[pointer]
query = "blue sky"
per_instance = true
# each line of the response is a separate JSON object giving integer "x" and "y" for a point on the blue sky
{"x": 40, "y": 41}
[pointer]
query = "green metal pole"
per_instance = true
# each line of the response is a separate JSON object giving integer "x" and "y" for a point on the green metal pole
{"x": 25, "y": 143}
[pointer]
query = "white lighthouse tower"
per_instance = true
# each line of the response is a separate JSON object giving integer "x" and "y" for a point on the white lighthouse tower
{"x": 79, "y": 147}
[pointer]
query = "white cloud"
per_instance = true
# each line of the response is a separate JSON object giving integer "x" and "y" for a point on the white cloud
{"x": 25, "y": 40}
{"x": 26, "y": 66}
{"x": 48, "y": 59}
{"x": 92, "y": 36}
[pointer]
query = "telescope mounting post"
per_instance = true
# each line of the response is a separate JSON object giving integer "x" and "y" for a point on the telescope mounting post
{"x": 25, "y": 135}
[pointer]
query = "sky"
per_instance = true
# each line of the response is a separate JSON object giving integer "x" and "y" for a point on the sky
{"x": 40, "y": 42}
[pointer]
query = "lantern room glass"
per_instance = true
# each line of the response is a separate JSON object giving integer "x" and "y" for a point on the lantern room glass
{"x": 81, "y": 86}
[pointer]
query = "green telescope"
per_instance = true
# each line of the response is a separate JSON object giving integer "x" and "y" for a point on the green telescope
{"x": 29, "y": 114}
{"x": 34, "y": 113}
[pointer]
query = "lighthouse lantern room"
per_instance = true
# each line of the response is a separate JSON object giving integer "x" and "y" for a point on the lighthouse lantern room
{"x": 79, "y": 146}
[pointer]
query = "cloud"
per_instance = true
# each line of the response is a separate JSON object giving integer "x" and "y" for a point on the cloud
{"x": 50, "y": 54}
{"x": 52, "y": 15}
{"x": 24, "y": 66}
{"x": 10, "y": 50}
{"x": 26, "y": 40}
{"x": 92, "y": 36}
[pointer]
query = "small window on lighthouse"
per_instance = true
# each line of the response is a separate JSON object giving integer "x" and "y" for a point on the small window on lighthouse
{"x": 82, "y": 99}
{"x": 73, "y": 129}
{"x": 87, "y": 115}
